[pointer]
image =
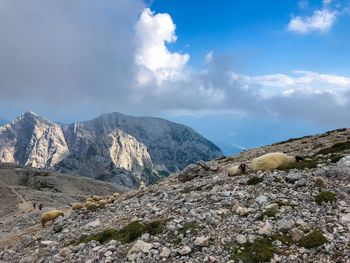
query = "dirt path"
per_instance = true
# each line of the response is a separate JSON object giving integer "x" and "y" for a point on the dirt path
{"x": 24, "y": 205}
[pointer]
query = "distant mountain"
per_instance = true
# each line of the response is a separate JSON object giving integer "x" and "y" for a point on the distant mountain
{"x": 3, "y": 122}
{"x": 113, "y": 147}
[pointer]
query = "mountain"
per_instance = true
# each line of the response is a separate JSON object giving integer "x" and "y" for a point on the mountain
{"x": 3, "y": 122}
{"x": 299, "y": 213}
{"x": 113, "y": 147}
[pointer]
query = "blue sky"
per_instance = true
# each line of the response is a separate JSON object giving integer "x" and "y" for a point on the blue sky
{"x": 255, "y": 34}
{"x": 242, "y": 73}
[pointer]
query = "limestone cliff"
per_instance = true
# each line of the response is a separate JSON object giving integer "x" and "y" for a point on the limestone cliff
{"x": 113, "y": 147}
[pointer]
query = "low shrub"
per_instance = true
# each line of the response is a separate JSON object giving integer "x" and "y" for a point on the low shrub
{"x": 260, "y": 250}
{"x": 255, "y": 180}
{"x": 325, "y": 197}
{"x": 312, "y": 240}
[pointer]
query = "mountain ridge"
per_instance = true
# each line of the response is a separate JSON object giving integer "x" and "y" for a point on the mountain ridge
{"x": 113, "y": 147}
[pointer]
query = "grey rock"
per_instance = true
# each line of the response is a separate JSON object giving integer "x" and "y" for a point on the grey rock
{"x": 296, "y": 234}
{"x": 185, "y": 250}
{"x": 293, "y": 177}
{"x": 285, "y": 224}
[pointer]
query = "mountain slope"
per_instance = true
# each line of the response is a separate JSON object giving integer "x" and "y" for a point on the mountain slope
{"x": 113, "y": 147}
{"x": 298, "y": 214}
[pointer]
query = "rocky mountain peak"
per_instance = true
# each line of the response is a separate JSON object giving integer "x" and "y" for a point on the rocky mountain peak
{"x": 31, "y": 118}
{"x": 112, "y": 147}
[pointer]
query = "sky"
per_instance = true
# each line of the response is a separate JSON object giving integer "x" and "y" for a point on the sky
{"x": 242, "y": 73}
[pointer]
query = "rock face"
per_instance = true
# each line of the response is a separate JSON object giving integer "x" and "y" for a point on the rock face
{"x": 113, "y": 147}
{"x": 32, "y": 140}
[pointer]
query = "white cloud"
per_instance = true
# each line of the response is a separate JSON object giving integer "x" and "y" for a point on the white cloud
{"x": 209, "y": 57}
{"x": 153, "y": 32}
{"x": 321, "y": 20}
{"x": 302, "y": 82}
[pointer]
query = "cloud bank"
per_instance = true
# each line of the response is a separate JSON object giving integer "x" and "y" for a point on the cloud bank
{"x": 321, "y": 20}
{"x": 86, "y": 57}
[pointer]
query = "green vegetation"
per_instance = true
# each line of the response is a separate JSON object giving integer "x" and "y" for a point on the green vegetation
{"x": 285, "y": 239}
{"x": 325, "y": 197}
{"x": 188, "y": 189}
{"x": 313, "y": 239}
{"x": 192, "y": 226}
{"x": 57, "y": 229}
{"x": 306, "y": 163}
{"x": 261, "y": 250}
{"x": 255, "y": 180}
{"x": 102, "y": 237}
{"x": 336, "y": 148}
{"x": 335, "y": 158}
{"x": 292, "y": 140}
{"x": 271, "y": 212}
{"x": 127, "y": 234}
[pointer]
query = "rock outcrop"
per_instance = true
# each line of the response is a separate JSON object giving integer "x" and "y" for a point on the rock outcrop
{"x": 32, "y": 140}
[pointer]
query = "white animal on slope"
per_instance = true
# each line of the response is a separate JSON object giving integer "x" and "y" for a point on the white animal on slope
{"x": 236, "y": 170}
{"x": 272, "y": 161}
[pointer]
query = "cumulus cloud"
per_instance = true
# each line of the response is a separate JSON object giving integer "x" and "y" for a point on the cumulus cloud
{"x": 302, "y": 82}
{"x": 153, "y": 32}
{"x": 82, "y": 58}
{"x": 321, "y": 20}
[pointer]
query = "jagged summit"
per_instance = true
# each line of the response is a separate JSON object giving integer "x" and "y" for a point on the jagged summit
{"x": 112, "y": 147}
{"x": 31, "y": 117}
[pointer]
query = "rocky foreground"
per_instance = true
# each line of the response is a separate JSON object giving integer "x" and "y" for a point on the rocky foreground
{"x": 298, "y": 214}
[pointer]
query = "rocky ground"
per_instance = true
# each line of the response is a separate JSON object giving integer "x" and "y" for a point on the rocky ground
{"x": 22, "y": 187}
{"x": 298, "y": 214}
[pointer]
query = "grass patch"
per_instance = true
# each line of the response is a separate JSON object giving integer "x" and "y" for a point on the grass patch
{"x": 261, "y": 250}
{"x": 313, "y": 239}
{"x": 102, "y": 237}
{"x": 127, "y": 234}
{"x": 255, "y": 180}
{"x": 325, "y": 197}
{"x": 189, "y": 189}
{"x": 192, "y": 226}
{"x": 336, "y": 148}
{"x": 307, "y": 163}
{"x": 285, "y": 239}
{"x": 335, "y": 158}
{"x": 271, "y": 212}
